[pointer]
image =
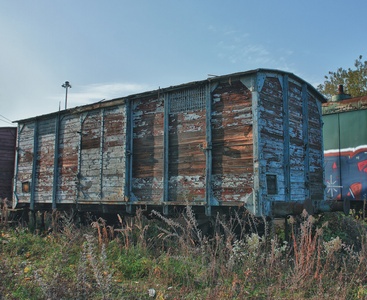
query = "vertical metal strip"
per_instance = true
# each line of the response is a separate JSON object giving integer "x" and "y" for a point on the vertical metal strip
{"x": 306, "y": 145}
{"x": 34, "y": 165}
{"x": 208, "y": 148}
{"x": 257, "y": 194}
{"x": 17, "y": 149}
{"x": 101, "y": 155}
{"x": 79, "y": 175}
{"x": 322, "y": 153}
{"x": 286, "y": 155}
{"x": 342, "y": 190}
{"x": 128, "y": 153}
{"x": 56, "y": 162}
{"x": 166, "y": 152}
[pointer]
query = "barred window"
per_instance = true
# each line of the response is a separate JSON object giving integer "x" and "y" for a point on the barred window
{"x": 188, "y": 100}
{"x": 47, "y": 127}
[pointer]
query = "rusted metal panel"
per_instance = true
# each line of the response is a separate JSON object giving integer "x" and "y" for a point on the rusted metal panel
{"x": 7, "y": 159}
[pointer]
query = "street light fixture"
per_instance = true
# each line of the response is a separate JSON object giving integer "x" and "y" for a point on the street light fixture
{"x": 66, "y": 85}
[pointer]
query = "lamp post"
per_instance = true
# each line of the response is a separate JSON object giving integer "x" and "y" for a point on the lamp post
{"x": 66, "y": 85}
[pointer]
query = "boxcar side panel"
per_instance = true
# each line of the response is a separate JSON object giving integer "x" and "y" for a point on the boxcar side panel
{"x": 297, "y": 147}
{"x": 232, "y": 142}
{"x": 316, "y": 149}
{"x": 272, "y": 139}
{"x": 114, "y": 155}
{"x": 23, "y": 180}
{"x": 90, "y": 158}
{"x": 147, "y": 173}
{"x": 187, "y": 160}
{"x": 70, "y": 134}
{"x": 45, "y": 161}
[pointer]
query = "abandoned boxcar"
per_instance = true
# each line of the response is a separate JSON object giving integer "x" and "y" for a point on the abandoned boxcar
{"x": 345, "y": 145}
{"x": 7, "y": 158}
{"x": 251, "y": 139}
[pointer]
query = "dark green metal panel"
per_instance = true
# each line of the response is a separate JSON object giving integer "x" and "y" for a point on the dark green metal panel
{"x": 353, "y": 129}
{"x": 331, "y": 132}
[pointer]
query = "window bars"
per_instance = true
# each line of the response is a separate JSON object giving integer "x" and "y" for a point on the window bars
{"x": 188, "y": 100}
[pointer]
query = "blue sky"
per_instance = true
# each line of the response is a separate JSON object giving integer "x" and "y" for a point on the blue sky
{"x": 109, "y": 49}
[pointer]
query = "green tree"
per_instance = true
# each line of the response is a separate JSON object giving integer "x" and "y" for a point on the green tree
{"x": 354, "y": 81}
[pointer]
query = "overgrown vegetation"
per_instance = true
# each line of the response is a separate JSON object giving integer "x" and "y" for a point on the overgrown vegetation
{"x": 354, "y": 80}
{"x": 52, "y": 257}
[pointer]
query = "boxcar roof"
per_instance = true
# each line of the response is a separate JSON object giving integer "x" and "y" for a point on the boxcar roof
{"x": 120, "y": 100}
{"x": 346, "y": 105}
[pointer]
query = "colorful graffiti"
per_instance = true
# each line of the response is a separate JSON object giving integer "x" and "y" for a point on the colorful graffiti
{"x": 346, "y": 173}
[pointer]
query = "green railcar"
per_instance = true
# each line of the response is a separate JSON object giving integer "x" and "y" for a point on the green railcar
{"x": 345, "y": 148}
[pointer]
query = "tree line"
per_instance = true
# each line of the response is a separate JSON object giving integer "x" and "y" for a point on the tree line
{"x": 353, "y": 80}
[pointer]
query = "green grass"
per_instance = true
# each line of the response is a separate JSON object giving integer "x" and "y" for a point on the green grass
{"x": 324, "y": 258}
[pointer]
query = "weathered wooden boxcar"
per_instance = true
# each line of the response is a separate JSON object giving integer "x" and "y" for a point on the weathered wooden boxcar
{"x": 345, "y": 140}
{"x": 7, "y": 158}
{"x": 250, "y": 139}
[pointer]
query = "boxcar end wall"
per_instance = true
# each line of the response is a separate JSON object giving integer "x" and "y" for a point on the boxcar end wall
{"x": 250, "y": 139}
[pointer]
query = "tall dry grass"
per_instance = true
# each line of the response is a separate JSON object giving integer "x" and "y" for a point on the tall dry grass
{"x": 171, "y": 258}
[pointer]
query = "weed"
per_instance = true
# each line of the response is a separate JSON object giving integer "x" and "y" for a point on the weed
{"x": 241, "y": 258}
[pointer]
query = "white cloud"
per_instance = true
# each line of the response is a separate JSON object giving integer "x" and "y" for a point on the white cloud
{"x": 239, "y": 48}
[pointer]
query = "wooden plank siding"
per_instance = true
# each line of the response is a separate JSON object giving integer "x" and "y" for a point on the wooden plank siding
{"x": 45, "y": 160}
{"x": 24, "y": 166}
{"x": 147, "y": 172}
{"x": 247, "y": 139}
{"x": 232, "y": 142}
{"x": 316, "y": 149}
{"x": 70, "y": 134}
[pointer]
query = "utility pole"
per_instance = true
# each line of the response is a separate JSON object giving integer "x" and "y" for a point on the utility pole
{"x": 66, "y": 85}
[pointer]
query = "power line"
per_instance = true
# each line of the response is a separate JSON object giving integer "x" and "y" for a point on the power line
{"x": 1, "y": 120}
{"x": 5, "y": 118}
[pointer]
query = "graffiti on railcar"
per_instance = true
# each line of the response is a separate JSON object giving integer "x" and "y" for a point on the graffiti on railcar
{"x": 346, "y": 173}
